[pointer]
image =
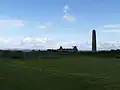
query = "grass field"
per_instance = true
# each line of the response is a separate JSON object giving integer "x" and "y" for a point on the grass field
{"x": 69, "y": 73}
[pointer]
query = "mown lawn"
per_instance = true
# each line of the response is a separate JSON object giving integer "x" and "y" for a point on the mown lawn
{"x": 69, "y": 73}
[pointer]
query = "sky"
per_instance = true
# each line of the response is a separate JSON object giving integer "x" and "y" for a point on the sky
{"x": 42, "y": 24}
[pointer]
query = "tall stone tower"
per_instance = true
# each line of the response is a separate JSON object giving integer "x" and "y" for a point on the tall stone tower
{"x": 94, "y": 46}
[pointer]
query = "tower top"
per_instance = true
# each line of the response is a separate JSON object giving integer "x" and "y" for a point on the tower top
{"x": 94, "y": 30}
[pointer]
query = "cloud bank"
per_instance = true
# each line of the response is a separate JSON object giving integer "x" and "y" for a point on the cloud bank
{"x": 45, "y": 43}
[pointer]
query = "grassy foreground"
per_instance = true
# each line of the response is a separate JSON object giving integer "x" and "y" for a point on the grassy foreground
{"x": 69, "y": 73}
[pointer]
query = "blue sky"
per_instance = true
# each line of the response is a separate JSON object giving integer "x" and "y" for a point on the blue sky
{"x": 50, "y": 23}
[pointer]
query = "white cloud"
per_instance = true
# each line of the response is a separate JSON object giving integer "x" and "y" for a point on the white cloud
{"x": 11, "y": 23}
{"x": 112, "y": 26}
{"x": 36, "y": 40}
{"x": 45, "y": 25}
{"x": 67, "y": 16}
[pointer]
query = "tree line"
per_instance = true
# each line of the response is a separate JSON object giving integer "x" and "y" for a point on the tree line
{"x": 53, "y": 54}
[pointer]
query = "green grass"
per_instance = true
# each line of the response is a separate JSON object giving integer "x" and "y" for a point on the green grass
{"x": 69, "y": 73}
